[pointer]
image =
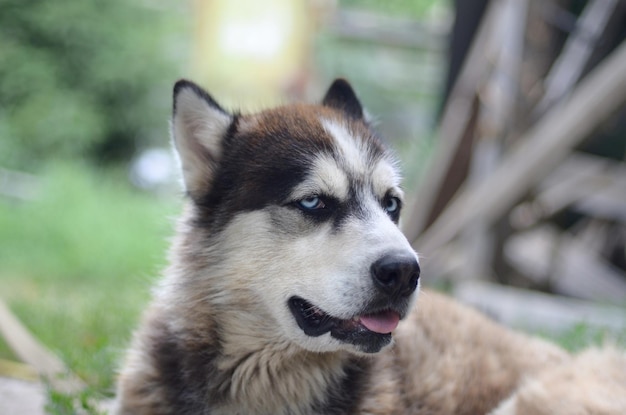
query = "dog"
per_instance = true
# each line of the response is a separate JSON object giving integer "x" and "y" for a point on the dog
{"x": 291, "y": 289}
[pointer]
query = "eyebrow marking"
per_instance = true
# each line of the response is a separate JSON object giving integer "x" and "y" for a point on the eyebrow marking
{"x": 353, "y": 151}
{"x": 325, "y": 177}
{"x": 385, "y": 176}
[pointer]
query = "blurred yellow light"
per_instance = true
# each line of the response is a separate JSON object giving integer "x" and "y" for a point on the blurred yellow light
{"x": 262, "y": 38}
{"x": 249, "y": 51}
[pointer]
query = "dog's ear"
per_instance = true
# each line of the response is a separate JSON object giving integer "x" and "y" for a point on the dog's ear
{"x": 341, "y": 96}
{"x": 198, "y": 126}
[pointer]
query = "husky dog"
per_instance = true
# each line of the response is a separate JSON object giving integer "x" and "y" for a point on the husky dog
{"x": 291, "y": 289}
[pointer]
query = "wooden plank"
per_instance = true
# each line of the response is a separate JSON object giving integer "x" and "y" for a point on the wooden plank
{"x": 30, "y": 351}
{"x": 608, "y": 202}
{"x": 17, "y": 370}
{"x": 589, "y": 184}
{"x": 580, "y": 272}
{"x": 548, "y": 142}
{"x": 361, "y": 25}
{"x": 565, "y": 264}
{"x": 537, "y": 311}
{"x": 458, "y": 112}
{"x": 495, "y": 122}
{"x": 531, "y": 253}
{"x": 569, "y": 66}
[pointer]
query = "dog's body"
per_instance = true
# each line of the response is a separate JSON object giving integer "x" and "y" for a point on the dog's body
{"x": 289, "y": 275}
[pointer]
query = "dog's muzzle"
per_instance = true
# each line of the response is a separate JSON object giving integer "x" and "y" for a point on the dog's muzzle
{"x": 395, "y": 278}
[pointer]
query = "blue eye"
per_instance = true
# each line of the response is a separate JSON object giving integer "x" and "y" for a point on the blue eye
{"x": 391, "y": 205}
{"x": 312, "y": 203}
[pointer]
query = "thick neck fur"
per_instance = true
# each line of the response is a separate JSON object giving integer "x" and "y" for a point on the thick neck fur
{"x": 275, "y": 381}
{"x": 252, "y": 371}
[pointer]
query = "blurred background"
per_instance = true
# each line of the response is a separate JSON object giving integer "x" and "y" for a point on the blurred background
{"x": 509, "y": 117}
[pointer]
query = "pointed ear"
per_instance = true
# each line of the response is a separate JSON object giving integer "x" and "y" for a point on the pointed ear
{"x": 341, "y": 96}
{"x": 198, "y": 127}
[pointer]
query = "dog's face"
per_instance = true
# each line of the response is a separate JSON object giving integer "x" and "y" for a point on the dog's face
{"x": 300, "y": 207}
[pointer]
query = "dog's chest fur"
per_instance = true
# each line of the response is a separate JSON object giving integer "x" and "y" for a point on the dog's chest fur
{"x": 198, "y": 376}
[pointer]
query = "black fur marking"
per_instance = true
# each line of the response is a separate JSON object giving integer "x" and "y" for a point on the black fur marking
{"x": 237, "y": 190}
{"x": 257, "y": 170}
{"x": 341, "y": 96}
{"x": 192, "y": 384}
{"x": 185, "y": 84}
{"x": 331, "y": 205}
{"x": 185, "y": 374}
{"x": 351, "y": 208}
{"x": 367, "y": 341}
{"x": 345, "y": 397}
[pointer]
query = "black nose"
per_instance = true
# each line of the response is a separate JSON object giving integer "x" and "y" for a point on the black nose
{"x": 396, "y": 274}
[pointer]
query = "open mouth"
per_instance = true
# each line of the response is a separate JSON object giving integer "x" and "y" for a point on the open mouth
{"x": 370, "y": 331}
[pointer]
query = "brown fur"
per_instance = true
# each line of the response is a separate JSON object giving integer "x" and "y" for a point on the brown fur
{"x": 593, "y": 383}
{"x": 449, "y": 359}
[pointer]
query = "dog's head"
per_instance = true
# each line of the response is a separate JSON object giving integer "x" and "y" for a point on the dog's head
{"x": 300, "y": 207}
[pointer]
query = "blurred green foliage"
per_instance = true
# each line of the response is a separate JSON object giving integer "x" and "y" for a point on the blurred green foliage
{"x": 76, "y": 264}
{"x": 582, "y": 335}
{"x": 406, "y": 8}
{"x": 83, "y": 403}
{"x": 78, "y": 78}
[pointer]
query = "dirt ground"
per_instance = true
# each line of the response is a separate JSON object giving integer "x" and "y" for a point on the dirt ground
{"x": 21, "y": 397}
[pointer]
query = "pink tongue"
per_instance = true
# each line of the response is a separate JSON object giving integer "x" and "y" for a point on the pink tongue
{"x": 384, "y": 322}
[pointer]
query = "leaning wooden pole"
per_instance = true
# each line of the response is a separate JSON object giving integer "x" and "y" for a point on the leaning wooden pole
{"x": 548, "y": 142}
{"x": 49, "y": 367}
{"x": 457, "y": 115}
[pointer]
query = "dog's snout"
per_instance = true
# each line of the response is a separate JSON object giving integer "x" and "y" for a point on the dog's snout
{"x": 396, "y": 274}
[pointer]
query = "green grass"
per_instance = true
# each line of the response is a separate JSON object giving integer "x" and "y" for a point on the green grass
{"x": 403, "y": 8}
{"x": 76, "y": 264}
{"x": 84, "y": 402}
{"x": 583, "y": 335}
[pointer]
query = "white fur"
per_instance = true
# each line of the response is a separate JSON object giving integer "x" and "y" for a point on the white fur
{"x": 197, "y": 129}
{"x": 385, "y": 176}
{"x": 326, "y": 179}
{"x": 353, "y": 151}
